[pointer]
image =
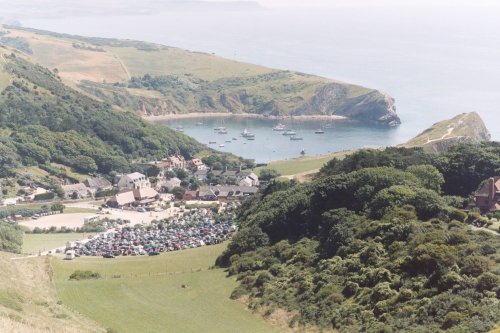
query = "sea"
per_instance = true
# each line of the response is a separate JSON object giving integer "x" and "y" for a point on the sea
{"x": 436, "y": 60}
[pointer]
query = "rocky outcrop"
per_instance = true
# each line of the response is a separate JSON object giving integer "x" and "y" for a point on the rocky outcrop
{"x": 466, "y": 127}
{"x": 337, "y": 99}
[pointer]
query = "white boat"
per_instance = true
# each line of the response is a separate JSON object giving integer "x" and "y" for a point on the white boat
{"x": 289, "y": 133}
{"x": 223, "y": 131}
{"x": 247, "y": 134}
{"x": 296, "y": 138}
{"x": 280, "y": 127}
{"x": 220, "y": 128}
{"x": 221, "y": 145}
{"x": 319, "y": 131}
{"x": 199, "y": 123}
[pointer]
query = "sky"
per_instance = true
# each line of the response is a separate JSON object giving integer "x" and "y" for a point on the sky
{"x": 353, "y": 3}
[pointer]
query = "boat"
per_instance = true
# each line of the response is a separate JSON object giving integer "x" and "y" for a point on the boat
{"x": 296, "y": 138}
{"x": 221, "y": 145}
{"x": 199, "y": 123}
{"x": 212, "y": 142}
{"x": 247, "y": 134}
{"x": 234, "y": 139}
{"x": 220, "y": 128}
{"x": 319, "y": 131}
{"x": 280, "y": 127}
{"x": 228, "y": 141}
{"x": 251, "y": 138}
{"x": 289, "y": 133}
{"x": 303, "y": 152}
{"x": 222, "y": 131}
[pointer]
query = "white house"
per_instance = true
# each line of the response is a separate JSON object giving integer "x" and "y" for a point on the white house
{"x": 133, "y": 181}
{"x": 247, "y": 179}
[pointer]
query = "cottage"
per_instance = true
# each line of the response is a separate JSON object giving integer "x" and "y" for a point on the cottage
{"x": 201, "y": 175}
{"x": 79, "y": 191}
{"x": 122, "y": 199}
{"x": 145, "y": 195}
{"x": 197, "y": 164}
{"x": 133, "y": 181}
{"x": 172, "y": 183}
{"x": 225, "y": 192}
{"x": 247, "y": 179}
{"x": 98, "y": 184}
{"x": 487, "y": 198}
{"x": 177, "y": 162}
{"x": 190, "y": 195}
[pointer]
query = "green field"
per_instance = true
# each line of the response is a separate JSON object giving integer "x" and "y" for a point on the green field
{"x": 145, "y": 294}
{"x": 300, "y": 165}
{"x": 32, "y": 243}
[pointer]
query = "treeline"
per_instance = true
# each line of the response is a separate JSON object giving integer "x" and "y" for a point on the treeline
{"x": 47, "y": 121}
{"x": 378, "y": 242}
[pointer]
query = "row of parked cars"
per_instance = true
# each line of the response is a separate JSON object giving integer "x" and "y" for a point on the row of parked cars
{"x": 197, "y": 228}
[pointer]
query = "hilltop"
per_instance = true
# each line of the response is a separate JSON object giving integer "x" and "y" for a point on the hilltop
{"x": 466, "y": 127}
{"x": 154, "y": 79}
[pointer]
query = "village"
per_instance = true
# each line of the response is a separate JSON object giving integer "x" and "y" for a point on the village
{"x": 176, "y": 206}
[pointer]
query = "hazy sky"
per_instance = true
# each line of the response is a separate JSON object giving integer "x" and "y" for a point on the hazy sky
{"x": 351, "y": 3}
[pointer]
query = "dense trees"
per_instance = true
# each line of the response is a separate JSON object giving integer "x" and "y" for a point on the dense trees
{"x": 58, "y": 124}
{"x": 372, "y": 245}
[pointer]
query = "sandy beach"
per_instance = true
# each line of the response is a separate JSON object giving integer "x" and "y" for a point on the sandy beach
{"x": 195, "y": 115}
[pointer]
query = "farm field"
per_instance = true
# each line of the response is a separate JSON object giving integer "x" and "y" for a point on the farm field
{"x": 32, "y": 243}
{"x": 146, "y": 294}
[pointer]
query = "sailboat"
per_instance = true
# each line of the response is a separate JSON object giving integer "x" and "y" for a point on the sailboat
{"x": 279, "y": 127}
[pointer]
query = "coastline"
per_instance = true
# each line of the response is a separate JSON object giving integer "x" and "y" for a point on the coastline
{"x": 195, "y": 115}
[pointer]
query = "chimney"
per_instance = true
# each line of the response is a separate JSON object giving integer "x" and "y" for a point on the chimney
{"x": 491, "y": 190}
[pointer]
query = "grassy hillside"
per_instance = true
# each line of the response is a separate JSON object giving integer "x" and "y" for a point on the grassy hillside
{"x": 145, "y": 294}
{"x": 120, "y": 71}
{"x": 466, "y": 127}
{"x": 28, "y": 301}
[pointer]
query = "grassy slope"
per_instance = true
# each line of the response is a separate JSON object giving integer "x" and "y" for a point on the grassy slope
{"x": 120, "y": 61}
{"x": 73, "y": 64}
{"x": 301, "y": 165}
{"x": 32, "y": 243}
{"x": 462, "y": 125}
{"x": 28, "y": 301}
{"x": 138, "y": 302}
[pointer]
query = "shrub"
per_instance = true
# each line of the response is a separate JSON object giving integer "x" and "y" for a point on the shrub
{"x": 451, "y": 319}
{"x": 487, "y": 281}
{"x": 84, "y": 275}
{"x": 44, "y": 196}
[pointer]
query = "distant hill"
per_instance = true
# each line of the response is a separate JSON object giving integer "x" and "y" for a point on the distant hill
{"x": 155, "y": 79}
{"x": 466, "y": 127}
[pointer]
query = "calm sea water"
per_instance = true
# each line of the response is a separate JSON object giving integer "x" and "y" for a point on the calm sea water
{"x": 272, "y": 145}
{"x": 435, "y": 61}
